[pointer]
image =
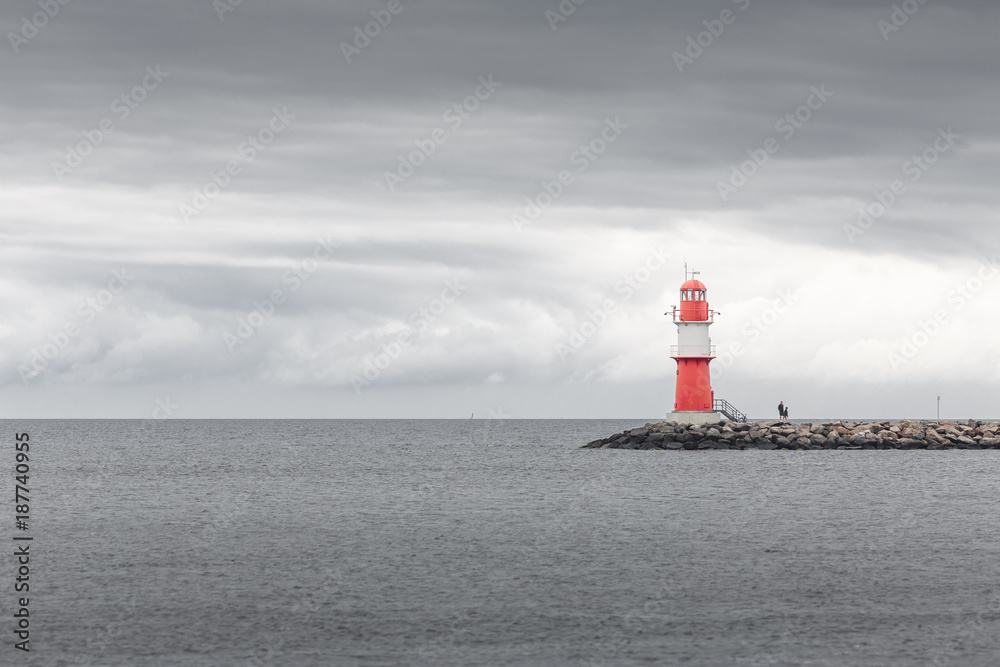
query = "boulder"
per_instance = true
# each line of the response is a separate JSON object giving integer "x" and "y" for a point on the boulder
{"x": 827, "y": 435}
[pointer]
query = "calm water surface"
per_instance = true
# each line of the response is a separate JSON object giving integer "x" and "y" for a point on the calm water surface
{"x": 496, "y": 542}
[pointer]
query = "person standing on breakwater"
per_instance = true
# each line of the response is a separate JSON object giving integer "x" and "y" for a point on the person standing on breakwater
{"x": 781, "y": 410}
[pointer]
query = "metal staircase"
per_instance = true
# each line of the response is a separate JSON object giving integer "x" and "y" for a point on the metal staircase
{"x": 729, "y": 410}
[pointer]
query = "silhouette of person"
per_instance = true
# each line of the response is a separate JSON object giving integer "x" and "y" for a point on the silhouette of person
{"x": 781, "y": 410}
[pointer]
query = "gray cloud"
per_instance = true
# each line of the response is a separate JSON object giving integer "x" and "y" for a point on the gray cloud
{"x": 324, "y": 176}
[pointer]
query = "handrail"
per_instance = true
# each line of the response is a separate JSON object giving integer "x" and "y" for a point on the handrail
{"x": 729, "y": 410}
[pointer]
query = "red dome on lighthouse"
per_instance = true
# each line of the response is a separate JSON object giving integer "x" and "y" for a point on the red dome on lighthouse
{"x": 694, "y": 304}
{"x": 693, "y": 284}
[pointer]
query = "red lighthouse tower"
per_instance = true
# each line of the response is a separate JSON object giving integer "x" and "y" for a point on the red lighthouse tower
{"x": 693, "y": 399}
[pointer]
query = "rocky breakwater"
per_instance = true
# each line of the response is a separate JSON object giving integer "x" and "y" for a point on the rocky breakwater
{"x": 827, "y": 435}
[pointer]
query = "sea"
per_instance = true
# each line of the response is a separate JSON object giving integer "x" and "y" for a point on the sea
{"x": 491, "y": 542}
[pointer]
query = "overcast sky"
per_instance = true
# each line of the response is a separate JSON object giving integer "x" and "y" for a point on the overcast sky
{"x": 259, "y": 210}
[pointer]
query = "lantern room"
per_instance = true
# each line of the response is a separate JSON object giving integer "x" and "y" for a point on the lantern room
{"x": 694, "y": 306}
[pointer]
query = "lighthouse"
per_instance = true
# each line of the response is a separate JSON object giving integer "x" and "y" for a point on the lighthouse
{"x": 694, "y": 400}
